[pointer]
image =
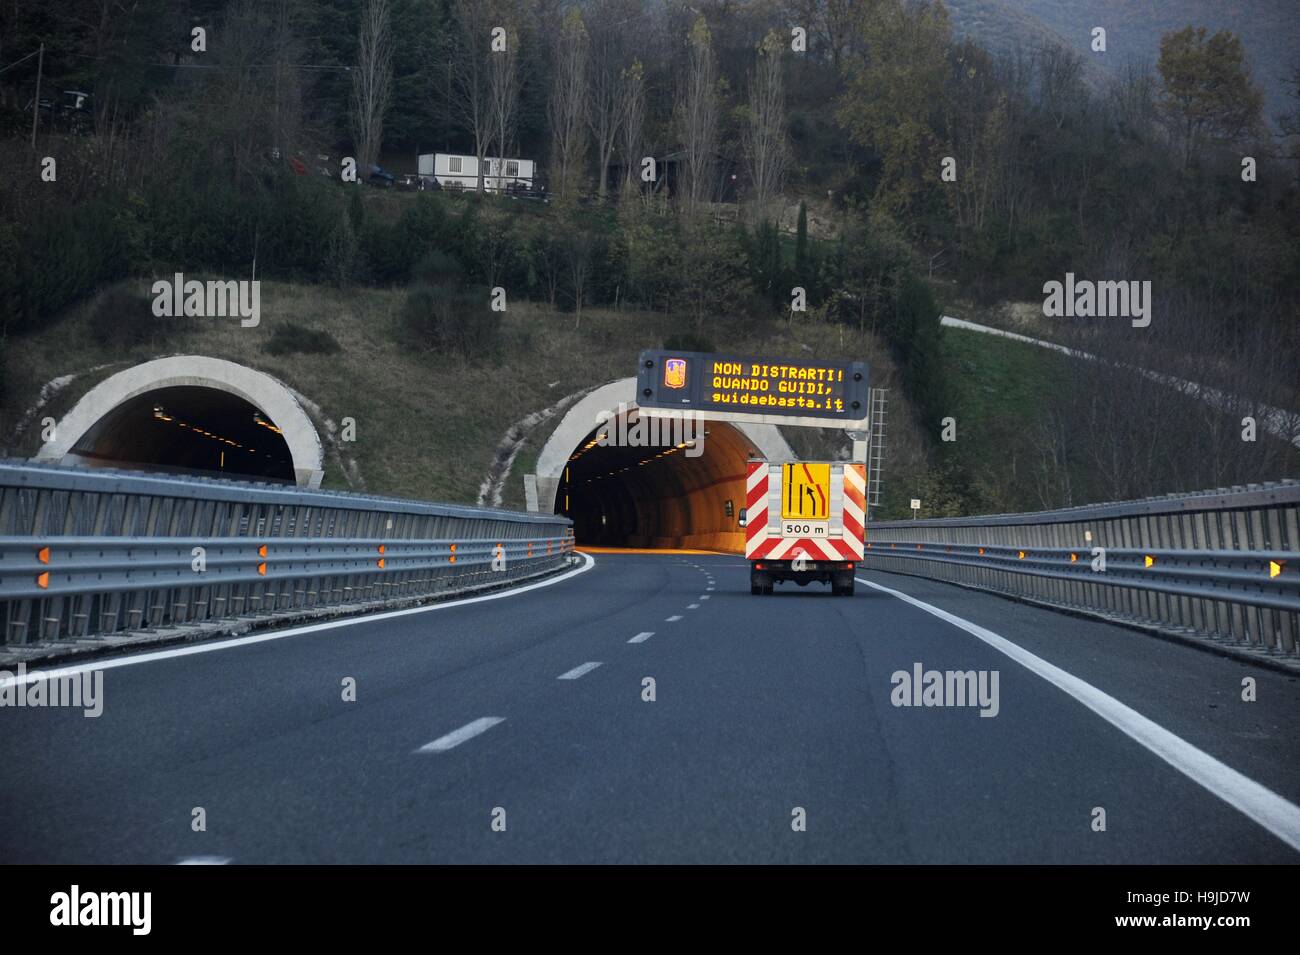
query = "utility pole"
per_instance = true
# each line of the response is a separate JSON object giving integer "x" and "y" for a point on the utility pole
{"x": 36, "y": 104}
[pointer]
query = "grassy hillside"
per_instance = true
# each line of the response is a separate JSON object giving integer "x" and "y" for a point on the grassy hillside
{"x": 427, "y": 424}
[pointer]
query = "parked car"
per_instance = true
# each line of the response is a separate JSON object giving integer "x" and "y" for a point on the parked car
{"x": 535, "y": 192}
{"x": 381, "y": 177}
{"x": 409, "y": 183}
{"x": 70, "y": 110}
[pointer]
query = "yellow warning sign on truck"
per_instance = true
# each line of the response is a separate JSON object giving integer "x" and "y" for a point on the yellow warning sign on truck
{"x": 806, "y": 491}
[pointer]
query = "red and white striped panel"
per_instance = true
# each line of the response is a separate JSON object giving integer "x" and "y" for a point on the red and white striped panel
{"x": 789, "y": 548}
{"x": 755, "y": 507}
{"x": 759, "y": 544}
{"x": 855, "y": 509}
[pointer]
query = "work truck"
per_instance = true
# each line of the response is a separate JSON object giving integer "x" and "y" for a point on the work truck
{"x": 803, "y": 521}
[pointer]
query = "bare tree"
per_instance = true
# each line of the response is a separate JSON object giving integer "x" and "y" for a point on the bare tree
{"x": 829, "y": 24}
{"x": 579, "y": 248}
{"x": 631, "y": 113}
{"x": 697, "y": 115}
{"x": 503, "y": 82}
{"x": 372, "y": 80}
{"x": 472, "y": 100}
{"x": 567, "y": 109}
{"x": 767, "y": 147}
{"x": 608, "y": 54}
{"x": 1061, "y": 90}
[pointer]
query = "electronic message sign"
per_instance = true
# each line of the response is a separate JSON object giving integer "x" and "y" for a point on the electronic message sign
{"x": 746, "y": 388}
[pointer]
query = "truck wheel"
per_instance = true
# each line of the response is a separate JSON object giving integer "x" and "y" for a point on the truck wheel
{"x": 755, "y": 589}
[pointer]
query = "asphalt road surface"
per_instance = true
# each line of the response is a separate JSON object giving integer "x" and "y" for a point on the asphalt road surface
{"x": 517, "y": 729}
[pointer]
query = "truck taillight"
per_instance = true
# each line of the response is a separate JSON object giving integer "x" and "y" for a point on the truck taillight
{"x": 848, "y": 565}
{"x": 759, "y": 565}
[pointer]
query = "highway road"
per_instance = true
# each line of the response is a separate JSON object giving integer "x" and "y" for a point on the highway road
{"x": 766, "y": 711}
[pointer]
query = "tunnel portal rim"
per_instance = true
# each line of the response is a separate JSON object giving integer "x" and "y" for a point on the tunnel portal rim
{"x": 259, "y": 389}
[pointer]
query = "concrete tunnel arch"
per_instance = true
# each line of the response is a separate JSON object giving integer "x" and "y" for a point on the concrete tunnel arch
{"x": 230, "y": 391}
{"x": 677, "y": 501}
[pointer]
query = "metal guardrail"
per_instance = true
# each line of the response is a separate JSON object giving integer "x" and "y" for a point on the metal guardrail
{"x": 1222, "y": 564}
{"x": 86, "y": 552}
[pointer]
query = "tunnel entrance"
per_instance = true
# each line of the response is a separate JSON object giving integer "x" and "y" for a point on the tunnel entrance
{"x": 195, "y": 414}
{"x": 671, "y": 493}
{"x": 189, "y": 430}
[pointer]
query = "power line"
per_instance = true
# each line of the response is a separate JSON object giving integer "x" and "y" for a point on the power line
{"x": 216, "y": 66}
{"x": 16, "y": 62}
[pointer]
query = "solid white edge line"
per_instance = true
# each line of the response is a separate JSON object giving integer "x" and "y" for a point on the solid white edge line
{"x": 1256, "y": 802}
{"x": 203, "y": 860}
{"x": 113, "y": 662}
{"x": 466, "y": 732}
{"x": 578, "y": 671}
{"x": 642, "y": 637}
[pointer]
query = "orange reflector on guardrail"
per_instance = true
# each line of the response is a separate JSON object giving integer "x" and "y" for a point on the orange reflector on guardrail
{"x": 920, "y": 547}
{"x": 381, "y": 548}
{"x": 43, "y": 580}
{"x": 981, "y": 551}
{"x": 261, "y": 551}
{"x": 1148, "y": 561}
{"x": 1074, "y": 558}
{"x": 43, "y": 555}
{"x": 1275, "y": 567}
{"x": 261, "y": 568}
{"x": 380, "y": 562}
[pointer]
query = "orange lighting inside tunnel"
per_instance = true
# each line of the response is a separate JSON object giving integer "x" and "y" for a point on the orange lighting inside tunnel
{"x": 663, "y": 489}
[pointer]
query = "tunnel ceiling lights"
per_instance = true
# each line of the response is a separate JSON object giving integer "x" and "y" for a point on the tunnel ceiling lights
{"x": 160, "y": 413}
{"x": 257, "y": 417}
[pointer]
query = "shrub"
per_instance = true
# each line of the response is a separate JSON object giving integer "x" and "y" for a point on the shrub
{"x": 438, "y": 268}
{"x": 123, "y": 317}
{"x": 61, "y": 257}
{"x": 292, "y": 337}
{"x": 446, "y": 318}
{"x": 343, "y": 260}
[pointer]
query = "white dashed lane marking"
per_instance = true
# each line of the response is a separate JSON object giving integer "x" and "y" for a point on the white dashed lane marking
{"x": 674, "y": 618}
{"x": 578, "y": 671}
{"x": 642, "y": 637}
{"x": 456, "y": 737}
